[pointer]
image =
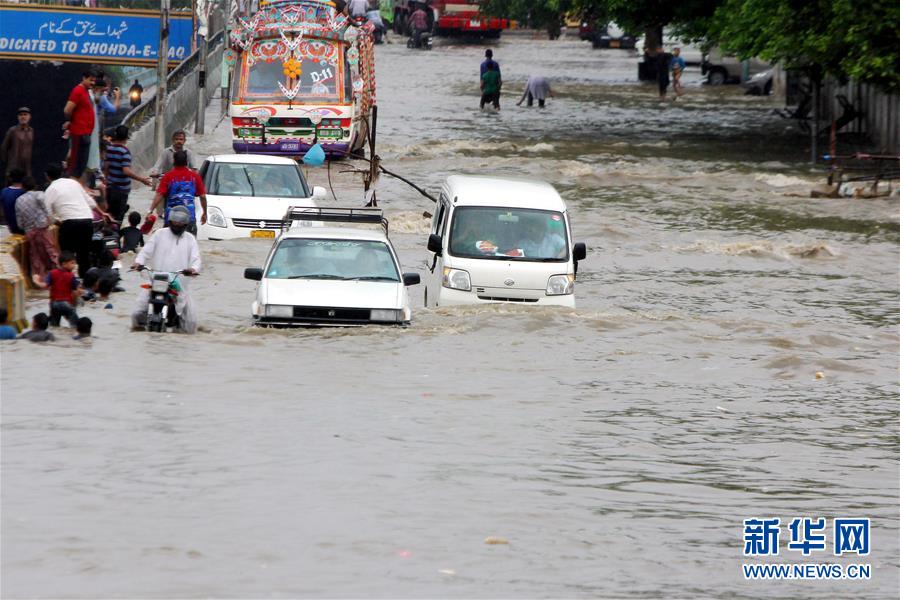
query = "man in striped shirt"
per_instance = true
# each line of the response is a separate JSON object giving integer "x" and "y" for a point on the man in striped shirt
{"x": 119, "y": 174}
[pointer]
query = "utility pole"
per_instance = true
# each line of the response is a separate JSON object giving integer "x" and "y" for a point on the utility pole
{"x": 226, "y": 74}
{"x": 162, "y": 72}
{"x": 203, "y": 30}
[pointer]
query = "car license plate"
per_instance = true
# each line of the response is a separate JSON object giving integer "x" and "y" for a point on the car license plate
{"x": 613, "y": 43}
{"x": 290, "y": 146}
{"x": 474, "y": 23}
{"x": 262, "y": 233}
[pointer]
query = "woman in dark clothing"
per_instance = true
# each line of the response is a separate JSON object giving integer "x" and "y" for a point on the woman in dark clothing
{"x": 662, "y": 71}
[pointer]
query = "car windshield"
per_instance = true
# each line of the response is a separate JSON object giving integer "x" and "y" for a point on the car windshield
{"x": 509, "y": 234}
{"x": 245, "y": 179}
{"x": 304, "y": 258}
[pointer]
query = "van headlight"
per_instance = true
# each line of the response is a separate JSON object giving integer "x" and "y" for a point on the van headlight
{"x": 279, "y": 311}
{"x": 457, "y": 279}
{"x": 389, "y": 315}
{"x": 560, "y": 285}
{"x": 215, "y": 217}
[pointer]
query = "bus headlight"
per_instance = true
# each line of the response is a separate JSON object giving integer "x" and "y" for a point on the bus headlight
{"x": 560, "y": 285}
{"x": 215, "y": 217}
{"x": 457, "y": 279}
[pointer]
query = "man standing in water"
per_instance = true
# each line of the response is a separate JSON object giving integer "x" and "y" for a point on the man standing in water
{"x": 489, "y": 60}
{"x": 662, "y": 71}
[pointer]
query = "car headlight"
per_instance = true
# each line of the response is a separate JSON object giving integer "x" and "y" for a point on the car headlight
{"x": 282, "y": 311}
{"x": 215, "y": 217}
{"x": 456, "y": 279}
{"x": 385, "y": 314}
{"x": 560, "y": 285}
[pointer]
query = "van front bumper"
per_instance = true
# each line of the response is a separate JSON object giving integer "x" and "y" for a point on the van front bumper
{"x": 451, "y": 297}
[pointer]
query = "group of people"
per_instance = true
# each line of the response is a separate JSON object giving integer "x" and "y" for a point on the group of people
{"x": 536, "y": 88}
{"x": 87, "y": 197}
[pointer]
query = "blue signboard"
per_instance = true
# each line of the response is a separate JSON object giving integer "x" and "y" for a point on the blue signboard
{"x": 121, "y": 37}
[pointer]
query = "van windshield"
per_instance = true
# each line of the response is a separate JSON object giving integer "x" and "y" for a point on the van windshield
{"x": 509, "y": 234}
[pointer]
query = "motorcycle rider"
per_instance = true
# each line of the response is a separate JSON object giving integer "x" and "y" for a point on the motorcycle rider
{"x": 171, "y": 249}
{"x": 419, "y": 21}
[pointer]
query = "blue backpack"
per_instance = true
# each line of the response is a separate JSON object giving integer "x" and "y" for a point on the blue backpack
{"x": 181, "y": 193}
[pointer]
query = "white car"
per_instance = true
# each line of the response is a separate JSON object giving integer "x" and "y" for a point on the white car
{"x": 501, "y": 240}
{"x": 247, "y": 195}
{"x": 332, "y": 275}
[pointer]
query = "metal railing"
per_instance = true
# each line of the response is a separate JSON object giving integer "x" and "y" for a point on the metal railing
{"x": 146, "y": 110}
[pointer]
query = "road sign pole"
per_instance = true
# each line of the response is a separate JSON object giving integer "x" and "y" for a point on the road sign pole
{"x": 162, "y": 73}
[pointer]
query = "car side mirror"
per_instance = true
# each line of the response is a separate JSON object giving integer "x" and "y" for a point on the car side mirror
{"x": 319, "y": 193}
{"x": 579, "y": 251}
{"x": 253, "y": 273}
{"x": 435, "y": 244}
{"x": 411, "y": 279}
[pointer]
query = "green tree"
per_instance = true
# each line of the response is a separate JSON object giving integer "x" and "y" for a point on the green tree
{"x": 843, "y": 38}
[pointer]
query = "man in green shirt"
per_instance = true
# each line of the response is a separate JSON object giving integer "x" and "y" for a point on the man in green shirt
{"x": 490, "y": 86}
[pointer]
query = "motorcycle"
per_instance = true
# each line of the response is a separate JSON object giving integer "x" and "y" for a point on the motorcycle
{"x": 164, "y": 290}
{"x": 424, "y": 42}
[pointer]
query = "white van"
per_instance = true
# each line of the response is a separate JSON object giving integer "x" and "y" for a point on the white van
{"x": 500, "y": 240}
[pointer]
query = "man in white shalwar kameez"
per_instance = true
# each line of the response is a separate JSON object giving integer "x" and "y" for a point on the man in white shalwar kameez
{"x": 537, "y": 88}
{"x": 171, "y": 249}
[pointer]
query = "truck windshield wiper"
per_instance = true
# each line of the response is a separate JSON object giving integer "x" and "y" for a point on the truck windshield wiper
{"x": 316, "y": 276}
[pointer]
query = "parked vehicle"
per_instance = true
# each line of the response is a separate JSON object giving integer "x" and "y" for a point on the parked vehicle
{"x": 500, "y": 240}
{"x": 611, "y": 36}
{"x": 449, "y": 18}
{"x": 247, "y": 194}
{"x": 760, "y": 84}
{"x": 720, "y": 69}
{"x": 332, "y": 275}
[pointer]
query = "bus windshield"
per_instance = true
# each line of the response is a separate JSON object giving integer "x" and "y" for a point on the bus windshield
{"x": 321, "y": 74}
{"x": 509, "y": 234}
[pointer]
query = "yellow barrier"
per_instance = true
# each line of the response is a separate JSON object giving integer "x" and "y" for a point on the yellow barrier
{"x": 12, "y": 283}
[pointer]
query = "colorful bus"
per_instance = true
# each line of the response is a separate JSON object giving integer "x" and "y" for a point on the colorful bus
{"x": 302, "y": 74}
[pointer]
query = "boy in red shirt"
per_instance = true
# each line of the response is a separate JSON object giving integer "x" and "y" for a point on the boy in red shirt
{"x": 80, "y": 115}
{"x": 64, "y": 287}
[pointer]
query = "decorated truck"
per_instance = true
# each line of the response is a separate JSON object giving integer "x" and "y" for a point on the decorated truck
{"x": 302, "y": 74}
{"x": 450, "y": 17}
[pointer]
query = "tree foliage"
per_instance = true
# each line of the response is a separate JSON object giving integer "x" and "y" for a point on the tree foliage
{"x": 843, "y": 38}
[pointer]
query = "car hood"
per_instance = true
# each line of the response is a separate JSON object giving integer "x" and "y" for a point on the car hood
{"x": 256, "y": 207}
{"x": 332, "y": 293}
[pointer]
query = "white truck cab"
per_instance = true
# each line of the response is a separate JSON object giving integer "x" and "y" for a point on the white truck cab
{"x": 500, "y": 240}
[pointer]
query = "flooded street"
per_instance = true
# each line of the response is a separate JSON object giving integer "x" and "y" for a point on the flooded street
{"x": 618, "y": 447}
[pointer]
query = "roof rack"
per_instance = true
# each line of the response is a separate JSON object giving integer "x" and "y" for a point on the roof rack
{"x": 373, "y": 216}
